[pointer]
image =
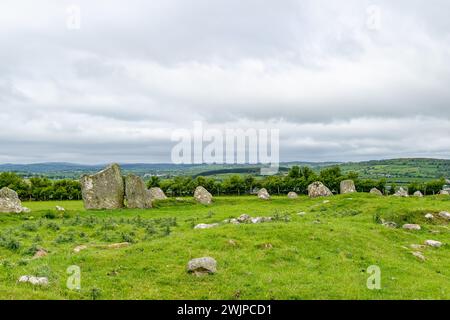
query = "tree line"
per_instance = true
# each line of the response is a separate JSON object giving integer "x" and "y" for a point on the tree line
{"x": 297, "y": 179}
{"x": 40, "y": 188}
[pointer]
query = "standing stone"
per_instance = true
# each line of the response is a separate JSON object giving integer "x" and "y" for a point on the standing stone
{"x": 418, "y": 194}
{"x": 444, "y": 192}
{"x": 103, "y": 190}
{"x": 10, "y": 202}
{"x": 263, "y": 194}
{"x": 347, "y": 186}
{"x": 318, "y": 189}
{"x": 136, "y": 194}
{"x": 292, "y": 195}
{"x": 157, "y": 194}
{"x": 401, "y": 193}
{"x": 202, "y": 195}
{"x": 376, "y": 192}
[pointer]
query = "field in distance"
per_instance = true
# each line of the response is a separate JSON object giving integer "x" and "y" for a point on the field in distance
{"x": 322, "y": 253}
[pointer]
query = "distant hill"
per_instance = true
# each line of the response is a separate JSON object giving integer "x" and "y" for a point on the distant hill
{"x": 403, "y": 170}
{"x": 400, "y": 170}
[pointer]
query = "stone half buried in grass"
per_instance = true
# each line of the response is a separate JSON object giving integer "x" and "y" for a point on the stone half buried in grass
{"x": 206, "y": 226}
{"x": 433, "y": 243}
{"x": 429, "y": 216}
{"x": 202, "y": 266}
{"x": 410, "y": 226}
{"x": 418, "y": 255}
{"x": 79, "y": 248}
{"x": 40, "y": 253}
{"x": 418, "y": 194}
{"x": 389, "y": 224}
{"x": 36, "y": 281}
{"x": 445, "y": 215}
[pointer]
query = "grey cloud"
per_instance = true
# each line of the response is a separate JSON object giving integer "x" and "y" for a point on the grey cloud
{"x": 135, "y": 71}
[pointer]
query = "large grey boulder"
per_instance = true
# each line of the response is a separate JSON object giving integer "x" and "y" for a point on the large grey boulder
{"x": 10, "y": 202}
{"x": 263, "y": 194}
{"x": 347, "y": 186}
{"x": 202, "y": 265}
{"x": 136, "y": 194}
{"x": 103, "y": 190}
{"x": 401, "y": 193}
{"x": 376, "y": 192}
{"x": 444, "y": 192}
{"x": 318, "y": 189}
{"x": 157, "y": 194}
{"x": 202, "y": 195}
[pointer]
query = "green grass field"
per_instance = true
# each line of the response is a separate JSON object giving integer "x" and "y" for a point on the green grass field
{"x": 323, "y": 254}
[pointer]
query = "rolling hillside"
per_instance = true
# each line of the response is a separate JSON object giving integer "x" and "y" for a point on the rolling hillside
{"x": 398, "y": 170}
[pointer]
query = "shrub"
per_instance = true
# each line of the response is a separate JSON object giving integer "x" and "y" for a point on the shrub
{"x": 53, "y": 226}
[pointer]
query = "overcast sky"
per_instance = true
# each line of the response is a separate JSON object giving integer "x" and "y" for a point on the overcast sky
{"x": 342, "y": 80}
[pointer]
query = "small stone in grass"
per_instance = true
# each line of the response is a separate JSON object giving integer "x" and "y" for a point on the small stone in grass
{"x": 206, "y": 226}
{"x": 40, "y": 253}
{"x": 389, "y": 224}
{"x": 409, "y": 226}
{"x": 418, "y": 255}
{"x": 200, "y": 266}
{"x": 433, "y": 243}
{"x": 79, "y": 248}
{"x": 118, "y": 245}
{"x": 429, "y": 216}
{"x": 42, "y": 281}
{"x": 444, "y": 214}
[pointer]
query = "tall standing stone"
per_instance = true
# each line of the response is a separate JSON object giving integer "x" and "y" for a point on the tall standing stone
{"x": 202, "y": 195}
{"x": 136, "y": 194}
{"x": 103, "y": 190}
{"x": 347, "y": 186}
{"x": 9, "y": 201}
{"x": 318, "y": 189}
